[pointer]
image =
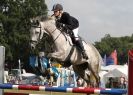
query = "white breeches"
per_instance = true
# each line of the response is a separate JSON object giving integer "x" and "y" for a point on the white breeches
{"x": 75, "y": 32}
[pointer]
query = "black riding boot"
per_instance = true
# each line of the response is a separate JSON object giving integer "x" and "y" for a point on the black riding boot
{"x": 80, "y": 45}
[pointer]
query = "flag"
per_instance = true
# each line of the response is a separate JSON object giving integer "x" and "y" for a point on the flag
{"x": 104, "y": 60}
{"x": 109, "y": 61}
{"x": 114, "y": 57}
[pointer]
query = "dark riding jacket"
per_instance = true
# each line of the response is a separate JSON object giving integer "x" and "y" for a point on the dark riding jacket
{"x": 69, "y": 21}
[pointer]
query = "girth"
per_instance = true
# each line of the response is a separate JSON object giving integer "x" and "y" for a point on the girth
{"x": 67, "y": 61}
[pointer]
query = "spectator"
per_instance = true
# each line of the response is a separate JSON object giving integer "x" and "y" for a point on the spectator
{"x": 122, "y": 82}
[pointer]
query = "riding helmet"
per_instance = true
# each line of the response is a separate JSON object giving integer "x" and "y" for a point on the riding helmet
{"x": 57, "y": 7}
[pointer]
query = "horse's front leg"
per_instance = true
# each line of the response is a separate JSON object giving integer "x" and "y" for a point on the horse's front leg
{"x": 57, "y": 55}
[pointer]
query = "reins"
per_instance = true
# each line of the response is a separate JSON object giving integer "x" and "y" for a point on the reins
{"x": 57, "y": 36}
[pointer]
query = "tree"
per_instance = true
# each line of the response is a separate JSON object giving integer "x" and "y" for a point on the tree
{"x": 121, "y": 44}
{"x": 15, "y": 17}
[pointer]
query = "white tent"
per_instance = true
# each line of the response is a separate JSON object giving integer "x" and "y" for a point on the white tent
{"x": 111, "y": 67}
{"x": 113, "y": 71}
{"x": 101, "y": 74}
{"x": 28, "y": 75}
{"x": 117, "y": 73}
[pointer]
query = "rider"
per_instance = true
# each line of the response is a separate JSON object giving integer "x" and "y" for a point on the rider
{"x": 69, "y": 22}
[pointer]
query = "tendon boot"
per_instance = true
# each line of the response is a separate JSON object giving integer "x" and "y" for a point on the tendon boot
{"x": 80, "y": 45}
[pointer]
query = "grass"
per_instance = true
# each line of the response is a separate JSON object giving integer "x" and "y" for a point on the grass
{"x": 41, "y": 92}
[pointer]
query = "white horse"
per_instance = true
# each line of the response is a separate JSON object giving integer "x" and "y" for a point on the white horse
{"x": 67, "y": 53}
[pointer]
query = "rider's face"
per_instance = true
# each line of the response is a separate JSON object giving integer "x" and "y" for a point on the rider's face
{"x": 57, "y": 13}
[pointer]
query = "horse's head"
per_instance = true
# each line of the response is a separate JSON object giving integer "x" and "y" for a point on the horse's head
{"x": 36, "y": 32}
{"x": 40, "y": 33}
{"x": 39, "y": 28}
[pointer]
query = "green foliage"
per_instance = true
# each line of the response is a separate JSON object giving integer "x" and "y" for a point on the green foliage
{"x": 15, "y": 17}
{"x": 121, "y": 44}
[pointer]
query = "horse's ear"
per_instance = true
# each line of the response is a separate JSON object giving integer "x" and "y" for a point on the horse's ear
{"x": 31, "y": 21}
{"x": 37, "y": 22}
{"x": 34, "y": 23}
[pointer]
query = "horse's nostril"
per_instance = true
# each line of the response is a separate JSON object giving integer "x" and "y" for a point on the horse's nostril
{"x": 32, "y": 47}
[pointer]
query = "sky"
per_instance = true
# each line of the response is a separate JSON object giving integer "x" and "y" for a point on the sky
{"x": 99, "y": 17}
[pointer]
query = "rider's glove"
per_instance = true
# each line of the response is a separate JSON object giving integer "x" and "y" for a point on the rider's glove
{"x": 64, "y": 28}
{"x": 59, "y": 24}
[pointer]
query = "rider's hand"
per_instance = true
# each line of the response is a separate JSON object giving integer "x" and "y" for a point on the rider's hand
{"x": 59, "y": 25}
{"x": 64, "y": 28}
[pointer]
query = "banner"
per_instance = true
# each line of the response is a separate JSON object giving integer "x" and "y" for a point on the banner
{"x": 104, "y": 60}
{"x": 114, "y": 57}
{"x": 109, "y": 61}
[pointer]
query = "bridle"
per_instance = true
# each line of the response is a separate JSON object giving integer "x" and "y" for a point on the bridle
{"x": 40, "y": 33}
{"x": 37, "y": 25}
{"x": 57, "y": 35}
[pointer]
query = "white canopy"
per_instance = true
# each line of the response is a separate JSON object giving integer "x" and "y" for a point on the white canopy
{"x": 113, "y": 71}
{"x": 111, "y": 67}
{"x": 28, "y": 75}
{"x": 117, "y": 73}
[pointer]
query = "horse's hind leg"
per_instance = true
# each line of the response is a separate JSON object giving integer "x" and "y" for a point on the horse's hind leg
{"x": 80, "y": 71}
{"x": 94, "y": 75}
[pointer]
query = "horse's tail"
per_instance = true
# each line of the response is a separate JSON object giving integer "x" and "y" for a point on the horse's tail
{"x": 100, "y": 62}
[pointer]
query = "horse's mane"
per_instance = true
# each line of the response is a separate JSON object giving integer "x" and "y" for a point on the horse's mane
{"x": 43, "y": 18}
{"x": 35, "y": 20}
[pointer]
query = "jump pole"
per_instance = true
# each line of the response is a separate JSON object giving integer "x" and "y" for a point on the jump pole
{"x": 130, "y": 72}
{"x": 2, "y": 59}
{"x": 65, "y": 89}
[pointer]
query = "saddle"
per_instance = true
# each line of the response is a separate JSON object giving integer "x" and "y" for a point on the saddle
{"x": 77, "y": 43}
